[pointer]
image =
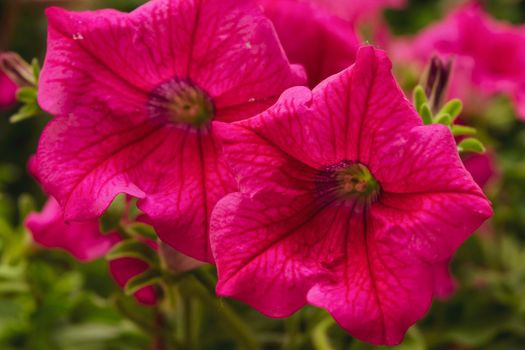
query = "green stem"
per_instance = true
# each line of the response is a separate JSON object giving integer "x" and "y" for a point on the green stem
{"x": 139, "y": 322}
{"x": 319, "y": 336}
{"x": 205, "y": 278}
{"x": 226, "y": 314}
{"x": 196, "y": 322}
{"x": 292, "y": 332}
{"x": 188, "y": 322}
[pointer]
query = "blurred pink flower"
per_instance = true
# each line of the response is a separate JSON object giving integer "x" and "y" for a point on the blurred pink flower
{"x": 124, "y": 269}
{"x": 346, "y": 202}
{"x": 322, "y": 43}
{"x": 444, "y": 283}
{"x": 481, "y": 167}
{"x": 489, "y": 55}
{"x": 355, "y": 10}
{"x": 7, "y": 91}
{"x": 85, "y": 242}
{"x": 137, "y": 96}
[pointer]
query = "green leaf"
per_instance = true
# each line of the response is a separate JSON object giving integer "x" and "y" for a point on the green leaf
{"x": 132, "y": 248}
{"x": 36, "y": 69}
{"x": 452, "y": 108}
{"x": 443, "y": 118}
{"x": 461, "y": 130}
{"x": 419, "y": 98}
{"x": 13, "y": 287}
{"x": 471, "y": 145}
{"x": 27, "y": 95}
{"x": 27, "y": 111}
{"x": 426, "y": 114}
{"x": 88, "y": 333}
{"x": 147, "y": 278}
{"x": 142, "y": 230}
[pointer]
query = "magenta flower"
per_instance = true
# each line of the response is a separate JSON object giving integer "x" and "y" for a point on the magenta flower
{"x": 7, "y": 91}
{"x": 85, "y": 242}
{"x": 136, "y": 97}
{"x": 482, "y": 168}
{"x": 124, "y": 269}
{"x": 322, "y": 43}
{"x": 346, "y": 202}
{"x": 477, "y": 43}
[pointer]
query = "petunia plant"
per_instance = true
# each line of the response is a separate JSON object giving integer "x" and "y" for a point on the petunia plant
{"x": 205, "y": 150}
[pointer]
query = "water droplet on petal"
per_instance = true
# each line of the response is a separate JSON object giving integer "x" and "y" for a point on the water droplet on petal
{"x": 248, "y": 45}
{"x": 78, "y": 36}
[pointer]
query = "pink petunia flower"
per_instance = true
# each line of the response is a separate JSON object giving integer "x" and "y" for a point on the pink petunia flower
{"x": 346, "y": 202}
{"x": 477, "y": 43}
{"x": 322, "y": 43}
{"x": 7, "y": 91}
{"x": 137, "y": 96}
{"x": 85, "y": 242}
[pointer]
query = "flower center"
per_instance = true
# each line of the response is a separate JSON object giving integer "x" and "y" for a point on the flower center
{"x": 349, "y": 181}
{"x": 182, "y": 102}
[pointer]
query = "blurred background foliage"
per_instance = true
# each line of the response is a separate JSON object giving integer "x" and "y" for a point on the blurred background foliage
{"x": 50, "y": 301}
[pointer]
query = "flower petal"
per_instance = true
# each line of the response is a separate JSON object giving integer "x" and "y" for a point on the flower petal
{"x": 184, "y": 181}
{"x": 238, "y": 59}
{"x": 444, "y": 284}
{"x": 86, "y": 162}
{"x": 85, "y": 159}
{"x": 365, "y": 107}
{"x": 379, "y": 289}
{"x": 295, "y": 248}
{"x": 275, "y": 245}
{"x": 266, "y": 151}
{"x": 7, "y": 91}
{"x": 83, "y": 240}
{"x": 322, "y": 43}
{"x": 92, "y": 58}
{"x": 424, "y": 160}
{"x": 124, "y": 269}
{"x": 435, "y": 224}
{"x": 354, "y": 10}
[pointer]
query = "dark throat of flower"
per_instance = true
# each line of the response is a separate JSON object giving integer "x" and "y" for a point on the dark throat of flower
{"x": 181, "y": 102}
{"x": 348, "y": 181}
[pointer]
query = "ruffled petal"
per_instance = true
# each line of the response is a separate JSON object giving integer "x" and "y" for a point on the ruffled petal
{"x": 83, "y": 240}
{"x": 379, "y": 289}
{"x": 423, "y": 160}
{"x": 279, "y": 242}
{"x": 435, "y": 224}
{"x": 184, "y": 180}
